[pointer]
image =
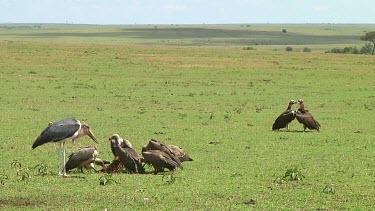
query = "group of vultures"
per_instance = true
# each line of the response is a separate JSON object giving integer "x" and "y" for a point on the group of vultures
{"x": 156, "y": 153}
{"x": 126, "y": 159}
{"x": 302, "y": 115}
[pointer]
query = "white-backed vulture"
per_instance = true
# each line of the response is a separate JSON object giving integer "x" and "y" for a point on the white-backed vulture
{"x": 180, "y": 153}
{"x": 159, "y": 160}
{"x": 159, "y": 145}
{"x": 85, "y": 157}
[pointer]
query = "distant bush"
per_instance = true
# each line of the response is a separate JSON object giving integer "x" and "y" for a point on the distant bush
{"x": 248, "y": 48}
{"x": 284, "y": 31}
{"x": 366, "y": 49}
{"x": 306, "y": 49}
{"x": 289, "y": 48}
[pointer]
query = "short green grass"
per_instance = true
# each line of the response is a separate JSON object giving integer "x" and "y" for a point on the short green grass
{"x": 217, "y": 103}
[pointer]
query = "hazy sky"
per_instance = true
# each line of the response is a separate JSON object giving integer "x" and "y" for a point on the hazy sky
{"x": 186, "y": 11}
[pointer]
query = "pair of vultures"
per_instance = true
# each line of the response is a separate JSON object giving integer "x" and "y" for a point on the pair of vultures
{"x": 157, "y": 153}
{"x": 302, "y": 115}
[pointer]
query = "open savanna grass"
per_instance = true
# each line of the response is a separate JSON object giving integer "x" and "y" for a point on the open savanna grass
{"x": 217, "y": 103}
{"x": 318, "y": 37}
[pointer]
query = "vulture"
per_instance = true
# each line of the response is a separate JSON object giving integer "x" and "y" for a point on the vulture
{"x": 123, "y": 142}
{"x": 159, "y": 145}
{"x": 285, "y": 118}
{"x": 180, "y": 153}
{"x": 85, "y": 157}
{"x": 128, "y": 156}
{"x": 306, "y": 118}
{"x": 159, "y": 160}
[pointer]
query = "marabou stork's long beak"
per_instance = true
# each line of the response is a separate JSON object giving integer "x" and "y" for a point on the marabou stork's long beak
{"x": 92, "y": 136}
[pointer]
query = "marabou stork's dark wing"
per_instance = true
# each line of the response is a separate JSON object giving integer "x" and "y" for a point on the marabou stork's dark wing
{"x": 283, "y": 120}
{"x": 58, "y": 131}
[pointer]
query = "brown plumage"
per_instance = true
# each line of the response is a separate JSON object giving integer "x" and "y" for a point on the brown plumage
{"x": 306, "y": 118}
{"x": 285, "y": 118}
{"x": 123, "y": 142}
{"x": 128, "y": 156}
{"x": 159, "y": 160}
{"x": 159, "y": 145}
{"x": 83, "y": 158}
{"x": 180, "y": 153}
{"x": 302, "y": 108}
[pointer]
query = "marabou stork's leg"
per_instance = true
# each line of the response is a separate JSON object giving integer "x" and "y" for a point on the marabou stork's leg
{"x": 60, "y": 163}
{"x": 64, "y": 170}
{"x": 287, "y": 127}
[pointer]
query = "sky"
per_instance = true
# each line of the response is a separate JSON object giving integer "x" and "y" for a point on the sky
{"x": 186, "y": 11}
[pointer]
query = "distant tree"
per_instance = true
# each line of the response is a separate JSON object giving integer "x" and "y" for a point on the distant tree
{"x": 366, "y": 49}
{"x": 370, "y": 37}
{"x": 306, "y": 49}
{"x": 289, "y": 48}
{"x": 284, "y": 31}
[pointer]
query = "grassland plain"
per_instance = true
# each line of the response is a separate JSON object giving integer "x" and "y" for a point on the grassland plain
{"x": 318, "y": 37}
{"x": 217, "y": 103}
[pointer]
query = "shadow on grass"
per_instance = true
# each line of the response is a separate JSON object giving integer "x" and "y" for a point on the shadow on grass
{"x": 292, "y": 131}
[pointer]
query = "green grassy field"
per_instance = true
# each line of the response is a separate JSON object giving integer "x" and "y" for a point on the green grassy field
{"x": 318, "y": 37}
{"x": 216, "y": 102}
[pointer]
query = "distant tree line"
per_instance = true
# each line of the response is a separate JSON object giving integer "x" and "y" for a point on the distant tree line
{"x": 20, "y": 26}
{"x": 366, "y": 49}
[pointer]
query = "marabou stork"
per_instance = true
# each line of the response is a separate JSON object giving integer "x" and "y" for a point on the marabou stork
{"x": 306, "y": 118}
{"x": 60, "y": 132}
{"x": 285, "y": 118}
